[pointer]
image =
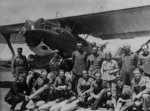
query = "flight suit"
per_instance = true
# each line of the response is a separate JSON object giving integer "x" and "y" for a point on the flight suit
{"x": 19, "y": 63}
{"x": 129, "y": 62}
{"x": 143, "y": 85}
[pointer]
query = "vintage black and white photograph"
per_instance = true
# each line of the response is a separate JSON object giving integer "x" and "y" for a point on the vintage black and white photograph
{"x": 74, "y": 55}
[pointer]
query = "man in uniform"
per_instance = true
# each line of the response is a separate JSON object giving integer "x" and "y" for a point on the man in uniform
{"x": 62, "y": 85}
{"x": 79, "y": 64}
{"x": 40, "y": 82}
{"x": 56, "y": 62}
{"x": 144, "y": 57}
{"x": 141, "y": 88}
{"x": 121, "y": 96}
{"x": 94, "y": 62}
{"x": 19, "y": 63}
{"x": 83, "y": 87}
{"x": 99, "y": 92}
{"x": 18, "y": 93}
{"x": 129, "y": 61}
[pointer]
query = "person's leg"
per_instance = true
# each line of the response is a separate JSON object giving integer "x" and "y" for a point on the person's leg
{"x": 146, "y": 102}
{"x": 15, "y": 102}
{"x": 98, "y": 100}
{"x": 73, "y": 82}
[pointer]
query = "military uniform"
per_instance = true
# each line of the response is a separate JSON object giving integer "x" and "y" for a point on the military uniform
{"x": 55, "y": 63}
{"x": 100, "y": 89}
{"x": 79, "y": 65}
{"x": 62, "y": 92}
{"x": 83, "y": 86}
{"x": 129, "y": 62}
{"x": 19, "y": 63}
{"x": 143, "y": 59}
{"x": 17, "y": 93}
{"x": 143, "y": 86}
{"x": 94, "y": 63}
{"x": 125, "y": 93}
{"x": 38, "y": 84}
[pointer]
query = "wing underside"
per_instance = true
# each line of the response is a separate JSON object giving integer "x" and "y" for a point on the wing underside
{"x": 124, "y": 24}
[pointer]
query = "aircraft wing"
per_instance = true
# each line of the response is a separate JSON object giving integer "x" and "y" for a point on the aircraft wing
{"x": 124, "y": 23}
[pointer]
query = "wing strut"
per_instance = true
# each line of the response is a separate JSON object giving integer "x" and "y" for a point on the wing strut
{"x": 7, "y": 38}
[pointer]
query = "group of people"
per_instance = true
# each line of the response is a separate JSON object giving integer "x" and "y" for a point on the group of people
{"x": 97, "y": 80}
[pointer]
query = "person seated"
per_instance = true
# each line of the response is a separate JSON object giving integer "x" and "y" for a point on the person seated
{"x": 83, "y": 87}
{"x": 141, "y": 88}
{"x": 99, "y": 92}
{"x": 31, "y": 78}
{"x": 18, "y": 93}
{"x": 56, "y": 62}
{"x": 40, "y": 82}
{"x": 62, "y": 85}
{"x": 121, "y": 96}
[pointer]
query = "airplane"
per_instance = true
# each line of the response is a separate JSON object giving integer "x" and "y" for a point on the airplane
{"x": 44, "y": 36}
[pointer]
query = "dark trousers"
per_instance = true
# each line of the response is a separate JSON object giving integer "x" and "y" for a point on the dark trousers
{"x": 18, "y": 100}
{"x": 75, "y": 79}
{"x": 127, "y": 75}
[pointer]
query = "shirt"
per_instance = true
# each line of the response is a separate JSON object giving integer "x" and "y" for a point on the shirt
{"x": 79, "y": 62}
{"x": 94, "y": 62}
{"x": 129, "y": 61}
{"x": 96, "y": 87}
{"x": 125, "y": 92}
{"x": 83, "y": 85}
{"x": 18, "y": 61}
{"x": 62, "y": 82}
{"x": 143, "y": 59}
{"x": 109, "y": 66}
{"x": 143, "y": 84}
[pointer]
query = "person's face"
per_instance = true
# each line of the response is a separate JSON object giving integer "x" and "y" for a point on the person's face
{"x": 119, "y": 84}
{"x": 108, "y": 57}
{"x": 94, "y": 50}
{"x": 62, "y": 74}
{"x": 85, "y": 74}
{"x": 22, "y": 78}
{"x": 100, "y": 48}
{"x": 98, "y": 77}
{"x": 19, "y": 51}
{"x": 127, "y": 49}
{"x": 44, "y": 75}
{"x": 79, "y": 46}
{"x": 145, "y": 50}
{"x": 30, "y": 73}
{"x": 56, "y": 54}
{"x": 137, "y": 74}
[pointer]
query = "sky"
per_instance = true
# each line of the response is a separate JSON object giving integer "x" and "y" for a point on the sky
{"x": 16, "y": 11}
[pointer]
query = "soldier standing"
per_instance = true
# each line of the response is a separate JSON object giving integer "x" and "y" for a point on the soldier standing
{"x": 19, "y": 63}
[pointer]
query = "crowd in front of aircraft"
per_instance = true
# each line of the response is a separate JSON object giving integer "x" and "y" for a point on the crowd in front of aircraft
{"x": 96, "y": 80}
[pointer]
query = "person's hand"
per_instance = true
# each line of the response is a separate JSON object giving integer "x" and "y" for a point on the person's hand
{"x": 26, "y": 97}
{"x": 121, "y": 100}
{"x": 138, "y": 96}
